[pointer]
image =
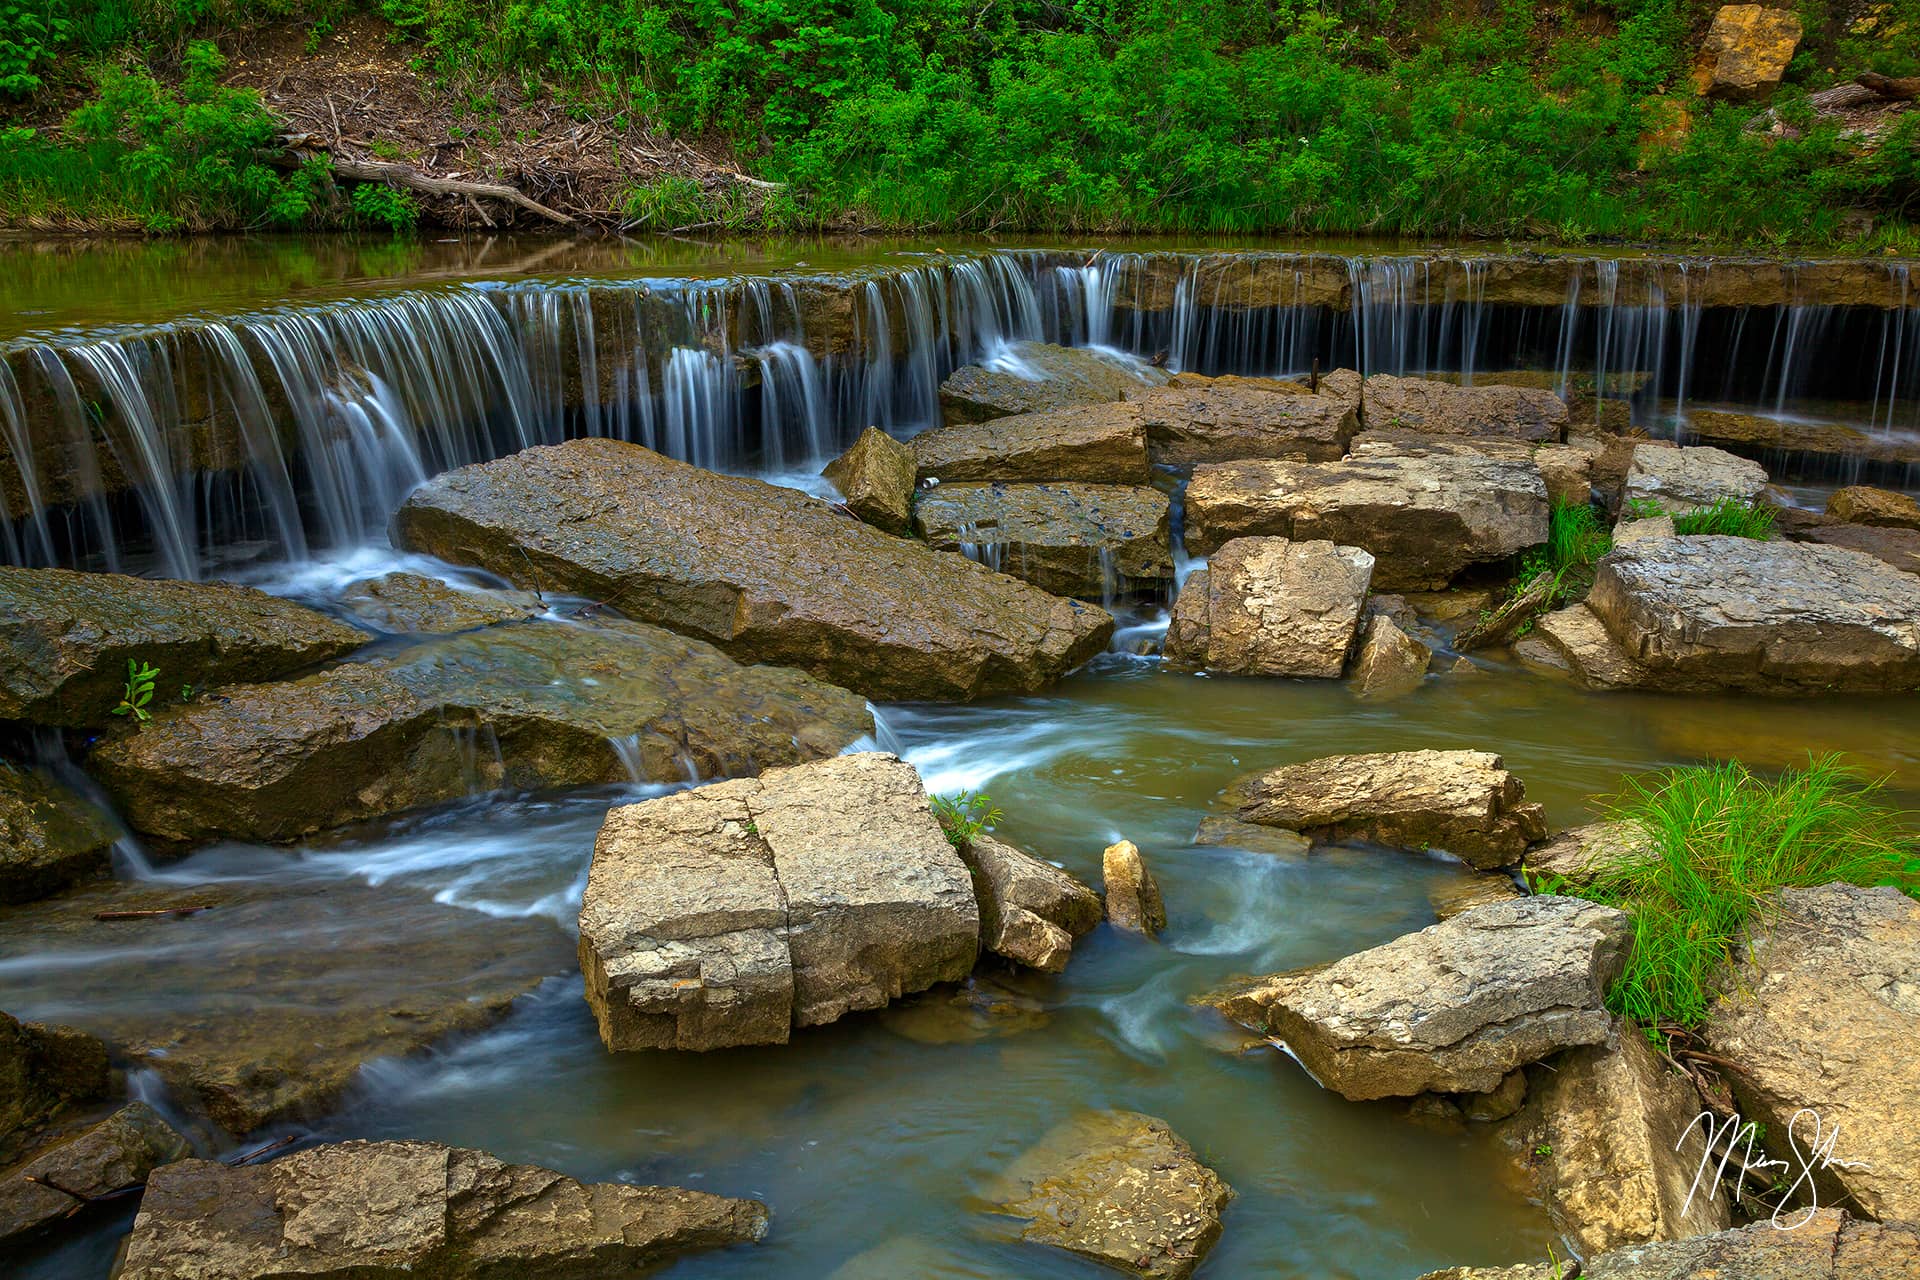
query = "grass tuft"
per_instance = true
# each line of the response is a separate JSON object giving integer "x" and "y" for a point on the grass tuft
{"x": 1731, "y": 517}
{"x": 1576, "y": 539}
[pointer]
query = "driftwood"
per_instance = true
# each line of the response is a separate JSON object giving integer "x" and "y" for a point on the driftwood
{"x": 153, "y": 913}
{"x": 405, "y": 175}
{"x": 1902, "y": 88}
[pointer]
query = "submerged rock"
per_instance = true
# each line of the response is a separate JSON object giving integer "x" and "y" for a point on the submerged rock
{"x": 975, "y": 1010}
{"x": 733, "y": 913}
{"x": 1030, "y": 912}
{"x": 1462, "y": 802}
{"x": 43, "y": 1072}
{"x": 1452, "y": 1008}
{"x": 556, "y": 704}
{"x": 1683, "y": 480}
{"x": 117, "y": 1153}
{"x": 49, "y": 835}
{"x": 66, "y": 639}
{"x": 1757, "y": 433}
{"x": 1231, "y": 418}
{"x": 765, "y": 573}
{"x": 1859, "y": 504}
{"x": 409, "y": 603}
{"x": 1824, "y": 1014}
{"x": 1501, "y": 412}
{"x": 1468, "y": 890}
{"x": 380, "y": 1210}
{"x": 1031, "y": 377}
{"x": 1390, "y": 662}
{"x": 1424, "y": 518}
{"x": 1071, "y": 539}
{"x": 1271, "y": 607}
{"x": 1100, "y": 444}
{"x": 876, "y": 477}
{"x": 1120, "y": 1188}
{"x": 1231, "y": 833}
{"x": 1133, "y": 895}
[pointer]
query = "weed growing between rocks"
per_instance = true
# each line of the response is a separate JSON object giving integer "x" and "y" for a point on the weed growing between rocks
{"x": 965, "y": 816}
{"x": 1731, "y": 517}
{"x": 1575, "y": 542}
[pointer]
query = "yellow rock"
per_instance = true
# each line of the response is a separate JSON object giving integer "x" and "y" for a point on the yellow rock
{"x": 1746, "y": 51}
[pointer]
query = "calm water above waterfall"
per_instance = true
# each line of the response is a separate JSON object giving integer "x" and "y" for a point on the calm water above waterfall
{"x": 258, "y": 411}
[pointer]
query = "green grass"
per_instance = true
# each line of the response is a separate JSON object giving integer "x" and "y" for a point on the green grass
{"x": 1576, "y": 539}
{"x": 1722, "y": 840}
{"x": 1731, "y": 517}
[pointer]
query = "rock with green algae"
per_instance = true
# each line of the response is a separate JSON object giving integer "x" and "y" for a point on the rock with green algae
{"x": 50, "y": 836}
{"x": 766, "y": 574}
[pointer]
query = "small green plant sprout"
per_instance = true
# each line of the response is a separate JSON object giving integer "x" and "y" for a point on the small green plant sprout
{"x": 965, "y": 815}
{"x": 138, "y": 691}
{"x": 186, "y": 693}
{"x": 1542, "y": 1150}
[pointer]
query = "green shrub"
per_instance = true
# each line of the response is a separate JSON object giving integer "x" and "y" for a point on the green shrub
{"x": 1721, "y": 841}
{"x": 1731, "y": 517}
{"x": 30, "y": 33}
{"x": 965, "y": 815}
{"x": 383, "y": 206}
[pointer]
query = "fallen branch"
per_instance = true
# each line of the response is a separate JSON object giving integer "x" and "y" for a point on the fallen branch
{"x": 405, "y": 175}
{"x": 153, "y": 912}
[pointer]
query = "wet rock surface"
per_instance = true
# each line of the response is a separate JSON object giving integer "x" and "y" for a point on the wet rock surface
{"x": 1679, "y": 480}
{"x": 1463, "y": 802}
{"x": 1501, "y": 412}
{"x": 1823, "y": 1015}
{"x": 1071, "y": 539}
{"x": 1575, "y": 856}
{"x": 876, "y": 477}
{"x": 1452, "y": 1008}
{"x": 1897, "y": 547}
{"x": 556, "y": 704}
{"x": 1757, "y": 433}
{"x": 1100, "y": 444}
{"x": 411, "y": 603}
{"x": 1271, "y": 607}
{"x": 1423, "y": 518}
{"x": 1390, "y": 663}
{"x": 1861, "y": 504}
{"x": 117, "y": 1153}
{"x": 1120, "y": 1188}
{"x": 733, "y": 913}
{"x": 66, "y": 639}
{"x": 1036, "y": 376}
{"x": 1230, "y": 418}
{"x": 766, "y": 574}
{"x": 1471, "y": 889}
{"x": 380, "y": 1210}
{"x": 50, "y": 836}
{"x": 44, "y": 1072}
{"x": 1133, "y": 898}
{"x": 1030, "y": 911}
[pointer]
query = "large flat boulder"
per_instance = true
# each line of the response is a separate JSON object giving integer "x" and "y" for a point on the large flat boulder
{"x": 1453, "y": 1008}
{"x": 1029, "y": 377}
{"x": 1231, "y": 418}
{"x": 1100, "y": 444}
{"x": 1424, "y": 518}
{"x": 1462, "y": 802}
{"x": 1887, "y": 544}
{"x": 1823, "y": 1015}
{"x": 1095, "y": 541}
{"x": 765, "y": 573}
{"x": 1679, "y": 480}
{"x": 1030, "y": 911}
{"x": 119, "y": 1152}
{"x": 1828, "y": 1245}
{"x": 735, "y": 912}
{"x": 50, "y": 835}
{"x": 1772, "y": 617}
{"x": 66, "y": 639}
{"x": 1271, "y": 607}
{"x": 400, "y": 1210}
{"x": 1120, "y": 1188}
{"x": 1500, "y": 412}
{"x": 560, "y": 705}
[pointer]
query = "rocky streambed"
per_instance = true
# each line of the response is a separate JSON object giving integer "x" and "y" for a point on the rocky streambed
{"x": 570, "y": 880}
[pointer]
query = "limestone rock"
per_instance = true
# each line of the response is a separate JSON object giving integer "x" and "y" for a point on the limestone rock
{"x": 1746, "y": 51}
{"x": 1454, "y": 1007}
{"x": 1101, "y": 444}
{"x": 1501, "y": 625}
{"x": 49, "y": 835}
{"x": 1232, "y": 833}
{"x": 766, "y": 574}
{"x": 735, "y": 912}
{"x": 1468, "y": 890}
{"x": 1463, "y": 802}
{"x": 1859, "y": 504}
{"x": 118, "y": 1152}
{"x": 1646, "y": 529}
{"x": 393, "y": 1210}
{"x": 408, "y": 603}
{"x": 1030, "y": 377}
{"x": 562, "y": 705}
{"x": 1608, "y": 1137}
{"x": 1072, "y": 539}
{"x": 1760, "y": 433}
{"x": 1423, "y": 518}
{"x": 1573, "y": 857}
{"x": 1133, "y": 895}
{"x": 1241, "y": 418}
{"x": 66, "y": 639}
{"x": 1683, "y": 480}
{"x": 1390, "y": 663}
{"x": 1508, "y": 412}
{"x": 1498, "y": 1102}
{"x": 1774, "y": 617}
{"x": 1271, "y": 607}
{"x": 1573, "y": 641}
{"x": 1568, "y": 471}
{"x": 1030, "y": 912}
{"x": 43, "y": 1071}
{"x": 876, "y": 477}
{"x": 1897, "y": 547}
{"x": 1824, "y": 1015}
{"x": 1120, "y": 1188}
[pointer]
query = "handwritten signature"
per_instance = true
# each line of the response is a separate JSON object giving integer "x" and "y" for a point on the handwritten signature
{"x": 1725, "y": 1135}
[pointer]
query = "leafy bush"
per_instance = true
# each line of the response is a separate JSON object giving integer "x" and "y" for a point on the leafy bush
{"x": 29, "y": 34}
{"x": 382, "y": 206}
{"x": 965, "y": 816}
{"x": 1721, "y": 841}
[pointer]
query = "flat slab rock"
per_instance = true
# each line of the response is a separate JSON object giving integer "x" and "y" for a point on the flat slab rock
{"x": 1680, "y": 480}
{"x": 1271, "y": 607}
{"x": 560, "y": 704}
{"x": 50, "y": 835}
{"x": 733, "y": 913}
{"x": 399, "y": 1210}
{"x": 1026, "y": 377}
{"x": 1100, "y": 444}
{"x": 412, "y": 603}
{"x": 66, "y": 639}
{"x": 1494, "y": 412}
{"x": 1465, "y": 803}
{"x": 120, "y": 1151}
{"x": 766, "y": 574}
{"x": 1120, "y": 1188}
{"x": 1423, "y": 517}
{"x": 1825, "y": 1015}
{"x": 1071, "y": 539}
{"x": 1229, "y": 418}
{"x": 1452, "y": 1008}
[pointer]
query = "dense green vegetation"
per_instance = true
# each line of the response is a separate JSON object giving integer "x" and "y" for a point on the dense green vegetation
{"x": 1722, "y": 840}
{"x": 1349, "y": 116}
{"x": 1576, "y": 539}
